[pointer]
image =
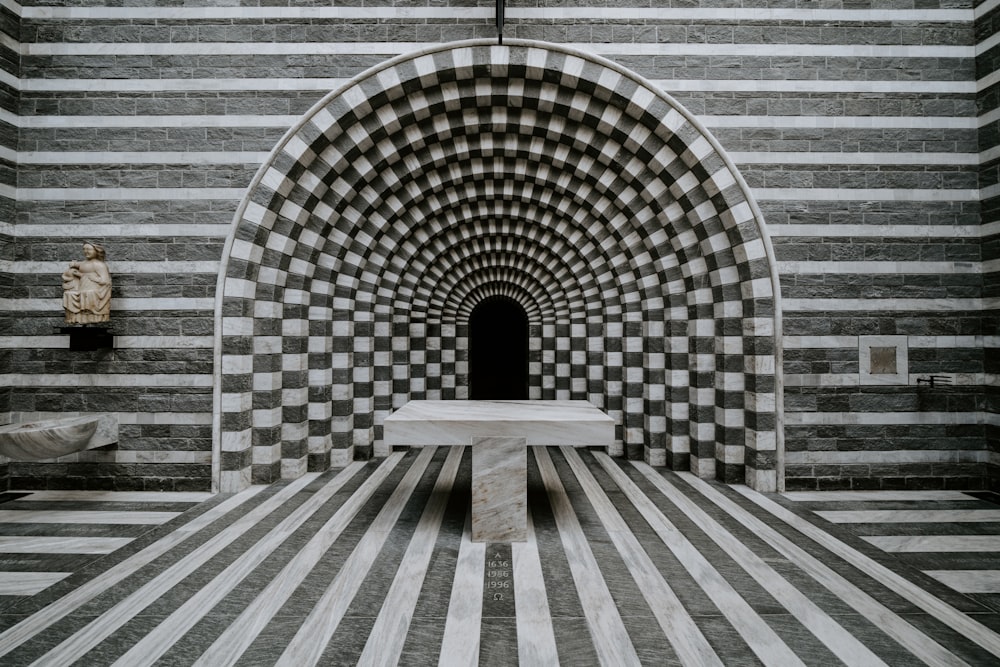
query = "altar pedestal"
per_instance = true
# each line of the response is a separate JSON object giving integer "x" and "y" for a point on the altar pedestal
{"x": 499, "y": 433}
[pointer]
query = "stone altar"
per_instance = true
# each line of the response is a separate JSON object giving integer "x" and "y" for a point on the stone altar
{"x": 499, "y": 433}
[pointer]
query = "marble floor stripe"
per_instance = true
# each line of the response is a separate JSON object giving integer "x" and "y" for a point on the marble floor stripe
{"x": 385, "y": 643}
{"x": 877, "y": 613}
{"x": 899, "y": 585}
{"x": 764, "y": 642}
{"x": 52, "y": 613}
{"x": 99, "y": 629}
{"x": 856, "y": 496}
{"x": 934, "y": 543}
{"x": 46, "y": 544}
{"x": 28, "y": 583}
{"x": 911, "y": 516}
{"x": 149, "y": 649}
{"x": 536, "y": 640}
{"x": 968, "y": 581}
{"x": 117, "y": 496}
{"x": 308, "y": 644}
{"x": 679, "y": 628}
{"x": 241, "y": 633}
{"x": 611, "y": 640}
{"x": 460, "y": 645}
{"x": 620, "y": 558}
{"x": 834, "y": 636}
{"x": 86, "y": 516}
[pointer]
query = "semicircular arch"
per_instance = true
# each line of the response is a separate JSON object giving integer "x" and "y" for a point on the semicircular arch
{"x": 316, "y": 256}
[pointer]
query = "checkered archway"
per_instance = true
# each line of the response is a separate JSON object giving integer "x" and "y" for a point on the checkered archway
{"x": 473, "y": 170}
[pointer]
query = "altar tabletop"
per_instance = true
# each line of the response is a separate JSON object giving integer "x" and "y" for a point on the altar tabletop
{"x": 423, "y": 423}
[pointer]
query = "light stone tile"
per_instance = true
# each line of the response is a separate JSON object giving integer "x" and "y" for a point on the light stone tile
{"x": 968, "y": 581}
{"x": 100, "y": 628}
{"x": 306, "y": 647}
{"x": 895, "y": 626}
{"x": 924, "y": 600}
{"x": 23, "y": 631}
{"x": 767, "y": 645}
{"x": 863, "y": 496}
{"x": 611, "y": 639}
{"x": 388, "y": 635}
{"x": 460, "y": 644}
{"x": 167, "y": 633}
{"x": 536, "y": 644}
{"x": 911, "y": 516}
{"x": 86, "y": 517}
{"x": 28, "y": 583}
{"x": 117, "y": 496}
{"x": 678, "y": 626}
{"x": 44, "y": 544}
{"x": 935, "y": 543}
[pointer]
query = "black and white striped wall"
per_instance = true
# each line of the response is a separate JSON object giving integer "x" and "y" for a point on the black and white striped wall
{"x": 988, "y": 87}
{"x": 856, "y": 129}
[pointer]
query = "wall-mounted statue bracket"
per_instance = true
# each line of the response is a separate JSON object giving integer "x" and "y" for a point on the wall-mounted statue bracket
{"x": 89, "y": 338}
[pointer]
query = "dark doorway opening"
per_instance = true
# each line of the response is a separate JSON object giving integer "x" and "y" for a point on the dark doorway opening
{"x": 498, "y": 351}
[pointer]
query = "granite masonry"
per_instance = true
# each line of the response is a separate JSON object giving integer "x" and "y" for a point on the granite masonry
{"x": 752, "y": 232}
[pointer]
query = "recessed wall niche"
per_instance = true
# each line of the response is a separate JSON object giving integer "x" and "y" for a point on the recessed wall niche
{"x": 471, "y": 171}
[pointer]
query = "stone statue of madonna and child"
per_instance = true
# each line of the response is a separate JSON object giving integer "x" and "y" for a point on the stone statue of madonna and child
{"x": 87, "y": 288}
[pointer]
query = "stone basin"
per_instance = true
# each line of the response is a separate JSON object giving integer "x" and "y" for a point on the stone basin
{"x": 52, "y": 438}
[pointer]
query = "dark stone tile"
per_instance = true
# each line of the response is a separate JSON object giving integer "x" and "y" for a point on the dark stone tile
{"x": 498, "y": 642}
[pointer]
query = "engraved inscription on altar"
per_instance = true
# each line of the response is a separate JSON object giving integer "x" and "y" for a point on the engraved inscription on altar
{"x": 498, "y": 581}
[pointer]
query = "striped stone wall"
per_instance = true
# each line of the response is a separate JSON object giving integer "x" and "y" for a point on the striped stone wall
{"x": 988, "y": 86}
{"x": 856, "y": 129}
{"x": 9, "y": 67}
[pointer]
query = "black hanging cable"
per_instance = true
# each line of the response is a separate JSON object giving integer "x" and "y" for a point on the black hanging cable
{"x": 500, "y": 8}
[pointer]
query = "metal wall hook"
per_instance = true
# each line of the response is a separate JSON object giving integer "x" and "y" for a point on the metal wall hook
{"x": 933, "y": 380}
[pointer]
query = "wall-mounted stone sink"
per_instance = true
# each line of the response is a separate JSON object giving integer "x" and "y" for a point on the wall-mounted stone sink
{"x": 52, "y": 438}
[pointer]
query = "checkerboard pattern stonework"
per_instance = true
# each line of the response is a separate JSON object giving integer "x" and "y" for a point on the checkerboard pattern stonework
{"x": 474, "y": 170}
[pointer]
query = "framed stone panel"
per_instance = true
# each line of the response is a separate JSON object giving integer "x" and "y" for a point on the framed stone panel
{"x": 883, "y": 360}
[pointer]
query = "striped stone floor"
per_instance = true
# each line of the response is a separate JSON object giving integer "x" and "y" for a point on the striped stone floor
{"x": 373, "y": 565}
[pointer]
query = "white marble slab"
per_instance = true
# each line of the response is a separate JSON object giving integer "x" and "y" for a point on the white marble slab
{"x": 388, "y": 635}
{"x": 499, "y": 489}
{"x": 118, "y": 496}
{"x": 822, "y": 625}
{"x": 536, "y": 640}
{"x": 85, "y": 516}
{"x": 935, "y": 543}
{"x": 45, "y": 544}
{"x": 968, "y": 581}
{"x": 34, "y": 625}
{"x": 230, "y": 645}
{"x": 607, "y": 629}
{"x": 460, "y": 644}
{"x": 307, "y": 646}
{"x": 911, "y": 516}
{"x": 923, "y": 646}
{"x": 858, "y": 496}
{"x": 574, "y": 423}
{"x": 28, "y": 583}
{"x": 151, "y": 647}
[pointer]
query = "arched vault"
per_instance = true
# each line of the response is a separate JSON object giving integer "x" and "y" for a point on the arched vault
{"x": 472, "y": 170}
